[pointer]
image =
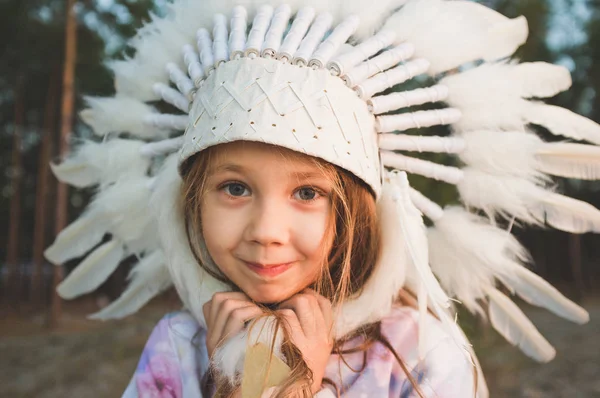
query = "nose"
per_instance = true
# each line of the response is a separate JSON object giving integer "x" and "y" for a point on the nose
{"x": 269, "y": 224}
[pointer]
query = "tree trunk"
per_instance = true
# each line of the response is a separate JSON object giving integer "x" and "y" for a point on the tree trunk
{"x": 41, "y": 200}
{"x": 65, "y": 132}
{"x": 12, "y": 254}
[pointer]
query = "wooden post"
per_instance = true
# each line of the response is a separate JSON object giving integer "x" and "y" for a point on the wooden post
{"x": 11, "y": 284}
{"x": 65, "y": 133}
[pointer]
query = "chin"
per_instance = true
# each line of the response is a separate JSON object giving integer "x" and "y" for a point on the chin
{"x": 269, "y": 296}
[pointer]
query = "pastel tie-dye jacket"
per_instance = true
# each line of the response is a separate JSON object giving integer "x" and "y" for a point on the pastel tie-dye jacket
{"x": 175, "y": 360}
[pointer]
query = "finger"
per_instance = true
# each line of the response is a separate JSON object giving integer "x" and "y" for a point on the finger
{"x": 324, "y": 305}
{"x": 215, "y": 335}
{"x": 227, "y": 308}
{"x": 238, "y": 318}
{"x": 206, "y": 310}
{"x": 289, "y": 316}
{"x": 327, "y": 311}
{"x": 219, "y": 298}
{"x": 325, "y": 320}
{"x": 308, "y": 312}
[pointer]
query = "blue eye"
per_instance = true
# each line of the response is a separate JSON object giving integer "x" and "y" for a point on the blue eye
{"x": 306, "y": 194}
{"x": 236, "y": 189}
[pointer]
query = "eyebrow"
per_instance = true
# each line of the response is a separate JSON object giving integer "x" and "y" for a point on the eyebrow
{"x": 307, "y": 174}
{"x": 240, "y": 169}
{"x": 226, "y": 167}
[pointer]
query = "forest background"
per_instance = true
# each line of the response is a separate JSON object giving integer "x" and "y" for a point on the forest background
{"x": 34, "y": 88}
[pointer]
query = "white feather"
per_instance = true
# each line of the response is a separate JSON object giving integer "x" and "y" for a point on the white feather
{"x": 166, "y": 35}
{"x": 229, "y": 357}
{"x": 121, "y": 209}
{"x": 536, "y": 291}
{"x": 148, "y": 278}
{"x": 516, "y": 197}
{"x": 157, "y": 44}
{"x": 566, "y": 214}
{"x": 371, "y": 18}
{"x": 422, "y": 303}
{"x": 540, "y": 79}
{"x": 503, "y": 38}
{"x": 415, "y": 239}
{"x": 507, "y": 80}
{"x": 505, "y": 195}
{"x": 503, "y": 152}
{"x": 130, "y": 81}
{"x": 78, "y": 238}
{"x": 467, "y": 253}
{"x": 569, "y": 160}
{"x": 502, "y": 81}
{"x": 451, "y": 33}
{"x": 262, "y": 330}
{"x": 428, "y": 207}
{"x": 561, "y": 121}
{"x": 92, "y": 271}
{"x": 126, "y": 204}
{"x": 493, "y": 96}
{"x": 76, "y": 172}
{"x": 120, "y": 115}
{"x": 103, "y": 163}
{"x": 515, "y": 327}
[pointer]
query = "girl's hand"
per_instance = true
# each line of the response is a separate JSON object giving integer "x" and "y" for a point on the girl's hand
{"x": 310, "y": 318}
{"x": 225, "y": 315}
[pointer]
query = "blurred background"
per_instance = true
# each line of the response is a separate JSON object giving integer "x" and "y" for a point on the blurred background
{"x": 51, "y": 58}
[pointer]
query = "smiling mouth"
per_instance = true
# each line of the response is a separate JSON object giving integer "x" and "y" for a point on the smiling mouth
{"x": 269, "y": 270}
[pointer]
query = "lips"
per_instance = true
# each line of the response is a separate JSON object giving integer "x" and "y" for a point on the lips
{"x": 268, "y": 270}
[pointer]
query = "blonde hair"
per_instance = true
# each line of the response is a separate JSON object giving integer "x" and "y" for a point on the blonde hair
{"x": 349, "y": 260}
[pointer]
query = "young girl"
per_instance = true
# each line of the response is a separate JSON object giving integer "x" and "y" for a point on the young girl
{"x": 283, "y": 215}
{"x": 292, "y": 234}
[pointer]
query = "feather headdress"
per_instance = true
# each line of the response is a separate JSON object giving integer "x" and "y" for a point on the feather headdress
{"x": 329, "y": 82}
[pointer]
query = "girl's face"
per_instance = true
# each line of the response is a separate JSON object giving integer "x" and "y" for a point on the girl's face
{"x": 264, "y": 219}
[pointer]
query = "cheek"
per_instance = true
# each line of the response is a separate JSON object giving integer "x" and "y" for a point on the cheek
{"x": 310, "y": 230}
{"x": 220, "y": 228}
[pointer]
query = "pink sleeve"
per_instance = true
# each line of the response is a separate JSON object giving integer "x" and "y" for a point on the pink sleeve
{"x": 172, "y": 360}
